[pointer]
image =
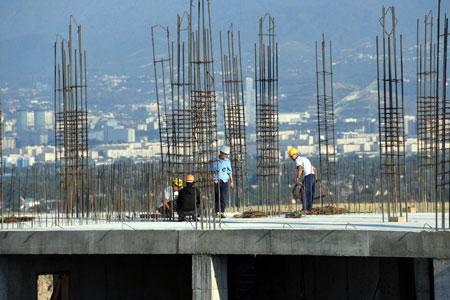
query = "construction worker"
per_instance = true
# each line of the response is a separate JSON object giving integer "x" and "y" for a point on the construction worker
{"x": 169, "y": 195}
{"x": 223, "y": 180}
{"x": 188, "y": 201}
{"x": 307, "y": 170}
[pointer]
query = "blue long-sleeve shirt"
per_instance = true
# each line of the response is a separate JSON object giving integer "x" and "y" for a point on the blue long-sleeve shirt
{"x": 222, "y": 169}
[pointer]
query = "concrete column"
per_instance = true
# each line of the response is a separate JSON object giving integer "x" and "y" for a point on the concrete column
{"x": 422, "y": 278}
{"x": 209, "y": 277}
{"x": 441, "y": 271}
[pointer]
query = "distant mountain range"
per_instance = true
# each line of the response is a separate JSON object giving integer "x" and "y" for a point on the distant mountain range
{"x": 117, "y": 39}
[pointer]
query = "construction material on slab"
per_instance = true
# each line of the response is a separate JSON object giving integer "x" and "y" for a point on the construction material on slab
{"x": 250, "y": 214}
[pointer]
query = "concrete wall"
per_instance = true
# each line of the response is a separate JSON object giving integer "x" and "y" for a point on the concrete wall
{"x": 312, "y": 277}
{"x": 224, "y": 277}
{"x": 100, "y": 277}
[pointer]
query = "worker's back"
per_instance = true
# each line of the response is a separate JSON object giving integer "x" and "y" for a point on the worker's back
{"x": 187, "y": 198}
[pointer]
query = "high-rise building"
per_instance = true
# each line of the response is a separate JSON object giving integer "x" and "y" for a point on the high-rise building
{"x": 24, "y": 120}
{"x": 43, "y": 120}
{"x": 249, "y": 99}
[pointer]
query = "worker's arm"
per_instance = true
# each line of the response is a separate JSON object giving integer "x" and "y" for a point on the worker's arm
{"x": 231, "y": 180}
{"x": 298, "y": 178}
{"x": 165, "y": 200}
{"x": 315, "y": 171}
{"x": 197, "y": 194}
{"x": 180, "y": 200}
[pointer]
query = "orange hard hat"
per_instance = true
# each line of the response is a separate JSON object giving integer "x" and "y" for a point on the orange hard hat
{"x": 190, "y": 178}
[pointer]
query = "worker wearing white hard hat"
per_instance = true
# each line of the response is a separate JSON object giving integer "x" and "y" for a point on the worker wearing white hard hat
{"x": 223, "y": 180}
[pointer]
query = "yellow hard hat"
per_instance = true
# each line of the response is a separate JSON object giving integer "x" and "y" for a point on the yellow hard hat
{"x": 292, "y": 151}
{"x": 190, "y": 178}
{"x": 177, "y": 182}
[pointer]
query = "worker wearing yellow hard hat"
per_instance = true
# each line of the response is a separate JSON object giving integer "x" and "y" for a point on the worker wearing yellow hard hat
{"x": 177, "y": 182}
{"x": 306, "y": 171}
{"x": 292, "y": 151}
{"x": 169, "y": 197}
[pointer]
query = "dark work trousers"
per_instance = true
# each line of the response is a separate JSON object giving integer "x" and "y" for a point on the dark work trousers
{"x": 310, "y": 186}
{"x": 221, "y": 191}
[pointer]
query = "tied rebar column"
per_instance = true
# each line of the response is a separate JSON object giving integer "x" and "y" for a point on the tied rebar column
{"x": 162, "y": 69}
{"x": 202, "y": 95}
{"x": 1, "y": 164}
{"x": 391, "y": 119}
{"x": 267, "y": 128}
{"x": 234, "y": 115}
{"x": 443, "y": 136}
{"x": 71, "y": 125}
{"x": 182, "y": 144}
{"x": 325, "y": 123}
{"x": 426, "y": 102}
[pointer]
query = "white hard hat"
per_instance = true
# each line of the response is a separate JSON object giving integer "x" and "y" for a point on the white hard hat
{"x": 225, "y": 149}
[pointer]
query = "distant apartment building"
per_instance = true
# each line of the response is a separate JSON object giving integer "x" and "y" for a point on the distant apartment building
{"x": 9, "y": 143}
{"x": 43, "y": 120}
{"x": 119, "y": 135}
{"x": 294, "y": 117}
{"x": 249, "y": 100}
{"x": 24, "y": 120}
{"x": 410, "y": 125}
{"x": 131, "y": 150}
{"x": 357, "y": 142}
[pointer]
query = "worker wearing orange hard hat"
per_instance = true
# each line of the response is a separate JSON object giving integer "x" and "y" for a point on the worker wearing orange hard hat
{"x": 188, "y": 200}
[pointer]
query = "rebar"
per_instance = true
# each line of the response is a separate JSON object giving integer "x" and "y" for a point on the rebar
{"x": 71, "y": 128}
{"x": 426, "y": 102}
{"x": 234, "y": 115}
{"x": 391, "y": 118}
{"x": 267, "y": 127}
{"x": 203, "y": 104}
{"x": 443, "y": 135}
{"x": 325, "y": 124}
{"x": 1, "y": 163}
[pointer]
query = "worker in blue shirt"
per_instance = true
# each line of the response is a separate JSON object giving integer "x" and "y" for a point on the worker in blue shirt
{"x": 223, "y": 180}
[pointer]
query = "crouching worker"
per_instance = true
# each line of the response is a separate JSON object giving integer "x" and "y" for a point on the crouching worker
{"x": 188, "y": 199}
{"x": 169, "y": 197}
{"x": 305, "y": 168}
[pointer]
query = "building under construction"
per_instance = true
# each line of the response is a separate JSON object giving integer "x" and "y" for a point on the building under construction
{"x": 89, "y": 231}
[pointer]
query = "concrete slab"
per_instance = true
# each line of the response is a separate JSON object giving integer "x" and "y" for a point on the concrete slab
{"x": 343, "y": 235}
{"x": 416, "y": 223}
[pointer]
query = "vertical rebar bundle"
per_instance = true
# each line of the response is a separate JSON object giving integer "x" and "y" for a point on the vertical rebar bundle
{"x": 267, "y": 128}
{"x": 172, "y": 87}
{"x": 391, "y": 117}
{"x": 234, "y": 115}
{"x": 71, "y": 128}
{"x": 161, "y": 67}
{"x": 443, "y": 131}
{"x": 325, "y": 120}
{"x": 1, "y": 163}
{"x": 183, "y": 159}
{"x": 203, "y": 105}
{"x": 426, "y": 103}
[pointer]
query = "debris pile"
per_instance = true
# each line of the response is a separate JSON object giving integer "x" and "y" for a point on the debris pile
{"x": 251, "y": 214}
{"x": 14, "y": 219}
